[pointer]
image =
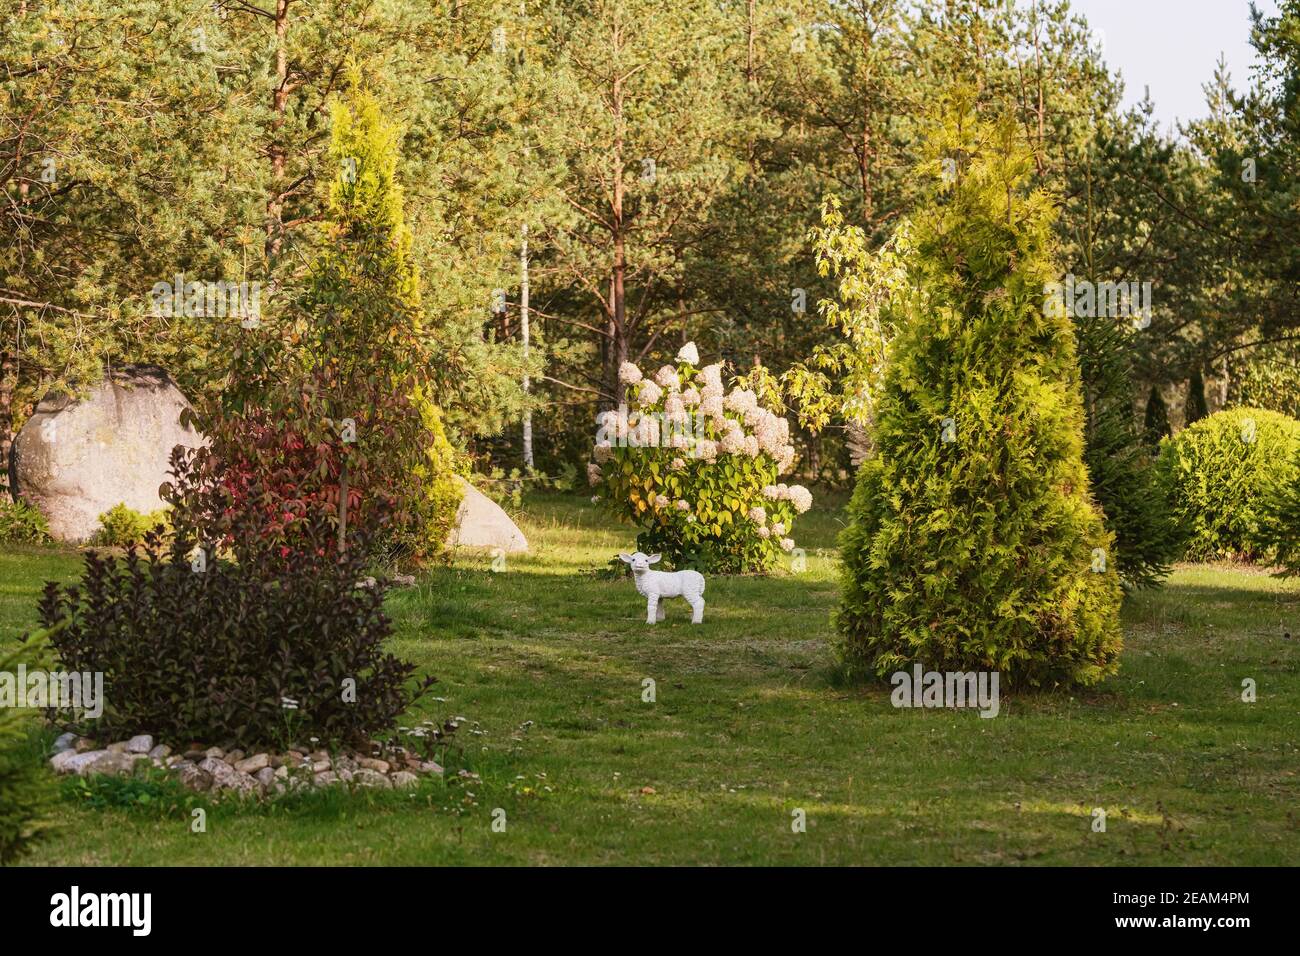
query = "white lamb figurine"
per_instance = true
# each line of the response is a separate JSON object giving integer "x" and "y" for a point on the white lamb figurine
{"x": 657, "y": 584}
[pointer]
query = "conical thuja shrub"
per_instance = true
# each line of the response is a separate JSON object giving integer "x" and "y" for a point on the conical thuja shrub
{"x": 973, "y": 540}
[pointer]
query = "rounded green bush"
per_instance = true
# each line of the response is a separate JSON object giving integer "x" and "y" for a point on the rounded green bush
{"x": 1221, "y": 473}
{"x": 122, "y": 526}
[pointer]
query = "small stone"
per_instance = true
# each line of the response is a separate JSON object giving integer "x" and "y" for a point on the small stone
{"x": 140, "y": 744}
{"x": 64, "y": 742}
{"x": 326, "y": 779}
{"x": 319, "y": 755}
{"x": 344, "y": 762}
{"x": 216, "y": 766}
{"x": 161, "y": 752}
{"x": 82, "y": 761}
{"x": 215, "y": 752}
{"x": 371, "y": 778}
{"x": 266, "y": 777}
{"x": 372, "y": 763}
{"x": 69, "y": 761}
{"x": 254, "y": 764}
{"x": 282, "y": 771}
{"x": 276, "y": 762}
{"x": 113, "y": 763}
{"x": 320, "y": 766}
{"x": 174, "y": 760}
{"x": 403, "y": 580}
{"x": 119, "y": 747}
{"x": 84, "y": 745}
{"x": 233, "y": 757}
{"x": 192, "y": 778}
{"x": 235, "y": 781}
{"x": 345, "y": 775}
{"x": 195, "y": 754}
{"x": 295, "y": 757}
{"x": 430, "y": 767}
{"x": 404, "y": 779}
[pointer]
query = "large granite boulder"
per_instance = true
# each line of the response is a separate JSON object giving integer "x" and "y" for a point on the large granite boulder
{"x": 480, "y": 523}
{"x": 77, "y": 457}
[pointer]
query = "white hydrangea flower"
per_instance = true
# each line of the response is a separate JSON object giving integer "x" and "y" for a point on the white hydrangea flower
{"x": 801, "y": 498}
{"x": 768, "y": 433}
{"x": 682, "y": 505}
{"x": 649, "y": 393}
{"x": 785, "y": 459}
{"x": 674, "y": 408}
{"x": 764, "y": 533}
{"x": 646, "y": 433}
{"x": 771, "y": 492}
{"x": 751, "y": 446}
{"x": 758, "y": 514}
{"x": 662, "y": 501}
{"x": 712, "y": 375}
{"x": 787, "y": 544}
{"x": 778, "y": 527}
{"x": 629, "y": 374}
{"x": 711, "y": 407}
{"x": 677, "y": 464}
{"x": 733, "y": 443}
{"x": 689, "y": 354}
{"x": 667, "y": 377}
{"x": 706, "y": 449}
{"x": 740, "y": 400}
{"x": 691, "y": 397}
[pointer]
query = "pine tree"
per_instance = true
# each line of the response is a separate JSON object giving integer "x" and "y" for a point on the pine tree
{"x": 974, "y": 541}
{"x": 1195, "y": 407}
{"x": 1120, "y": 464}
{"x": 1156, "y": 420}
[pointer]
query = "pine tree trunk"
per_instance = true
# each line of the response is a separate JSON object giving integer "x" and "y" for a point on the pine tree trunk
{"x": 524, "y": 334}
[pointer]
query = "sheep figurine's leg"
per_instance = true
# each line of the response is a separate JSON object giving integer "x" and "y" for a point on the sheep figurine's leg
{"x": 652, "y": 612}
{"x": 697, "y": 608}
{"x": 693, "y": 591}
{"x": 660, "y": 615}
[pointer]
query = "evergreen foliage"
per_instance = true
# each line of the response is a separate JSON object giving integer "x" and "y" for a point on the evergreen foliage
{"x": 26, "y": 786}
{"x": 1222, "y": 473}
{"x": 974, "y": 541}
{"x": 1121, "y": 466}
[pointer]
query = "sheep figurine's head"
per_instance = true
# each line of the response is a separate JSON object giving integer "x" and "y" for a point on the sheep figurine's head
{"x": 640, "y": 562}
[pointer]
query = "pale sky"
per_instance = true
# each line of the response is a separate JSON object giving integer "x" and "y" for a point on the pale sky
{"x": 1172, "y": 46}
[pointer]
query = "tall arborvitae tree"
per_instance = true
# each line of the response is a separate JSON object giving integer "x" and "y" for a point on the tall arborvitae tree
{"x": 347, "y": 370}
{"x": 974, "y": 541}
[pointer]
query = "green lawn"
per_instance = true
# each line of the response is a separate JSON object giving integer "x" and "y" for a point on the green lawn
{"x": 545, "y": 661}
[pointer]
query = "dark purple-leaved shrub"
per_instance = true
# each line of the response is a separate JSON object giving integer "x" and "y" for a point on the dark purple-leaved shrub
{"x": 259, "y": 653}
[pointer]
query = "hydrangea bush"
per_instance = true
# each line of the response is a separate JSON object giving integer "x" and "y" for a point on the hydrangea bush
{"x": 696, "y": 468}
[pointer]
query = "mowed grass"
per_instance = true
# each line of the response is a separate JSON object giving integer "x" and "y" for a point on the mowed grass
{"x": 546, "y": 662}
